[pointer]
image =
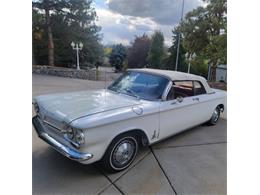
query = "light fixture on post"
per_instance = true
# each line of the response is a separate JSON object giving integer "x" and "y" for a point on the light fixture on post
{"x": 77, "y": 47}
{"x": 190, "y": 56}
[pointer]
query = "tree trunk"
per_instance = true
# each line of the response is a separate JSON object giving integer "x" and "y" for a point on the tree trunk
{"x": 213, "y": 72}
{"x": 50, "y": 38}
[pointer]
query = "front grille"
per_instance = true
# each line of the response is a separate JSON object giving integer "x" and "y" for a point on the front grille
{"x": 54, "y": 122}
{"x": 55, "y": 133}
{"x": 53, "y": 127}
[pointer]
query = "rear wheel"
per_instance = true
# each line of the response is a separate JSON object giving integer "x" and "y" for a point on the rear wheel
{"x": 120, "y": 153}
{"x": 215, "y": 116}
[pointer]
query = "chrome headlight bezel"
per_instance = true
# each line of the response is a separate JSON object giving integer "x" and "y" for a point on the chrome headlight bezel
{"x": 69, "y": 133}
{"x": 36, "y": 107}
{"x": 75, "y": 136}
{"x": 79, "y": 137}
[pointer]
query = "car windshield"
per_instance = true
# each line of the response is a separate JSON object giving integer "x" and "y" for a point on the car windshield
{"x": 140, "y": 85}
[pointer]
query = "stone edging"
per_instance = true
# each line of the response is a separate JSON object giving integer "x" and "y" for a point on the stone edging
{"x": 73, "y": 73}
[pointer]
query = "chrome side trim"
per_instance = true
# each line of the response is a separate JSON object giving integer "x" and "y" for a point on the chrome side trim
{"x": 60, "y": 130}
{"x": 174, "y": 108}
{"x": 65, "y": 150}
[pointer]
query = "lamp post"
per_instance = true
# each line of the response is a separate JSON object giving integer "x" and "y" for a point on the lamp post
{"x": 77, "y": 47}
{"x": 190, "y": 57}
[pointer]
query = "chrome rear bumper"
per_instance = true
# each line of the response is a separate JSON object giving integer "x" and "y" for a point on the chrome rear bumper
{"x": 65, "y": 150}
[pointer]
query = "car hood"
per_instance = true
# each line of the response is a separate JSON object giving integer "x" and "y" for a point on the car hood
{"x": 70, "y": 106}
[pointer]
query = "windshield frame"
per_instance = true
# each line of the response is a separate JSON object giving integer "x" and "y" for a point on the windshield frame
{"x": 165, "y": 91}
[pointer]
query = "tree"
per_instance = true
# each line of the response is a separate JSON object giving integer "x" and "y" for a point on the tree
{"x": 156, "y": 51}
{"x": 117, "y": 56}
{"x": 198, "y": 64}
{"x": 40, "y": 39}
{"x": 70, "y": 20}
{"x": 47, "y": 6}
{"x": 138, "y": 52}
{"x": 204, "y": 32}
{"x": 107, "y": 51}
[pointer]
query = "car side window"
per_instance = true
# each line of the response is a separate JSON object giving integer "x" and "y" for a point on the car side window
{"x": 183, "y": 89}
{"x": 198, "y": 88}
{"x": 170, "y": 95}
{"x": 180, "y": 89}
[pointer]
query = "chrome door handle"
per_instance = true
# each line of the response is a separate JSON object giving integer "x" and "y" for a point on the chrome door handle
{"x": 195, "y": 99}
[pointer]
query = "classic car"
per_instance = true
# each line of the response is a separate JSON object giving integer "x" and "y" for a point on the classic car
{"x": 140, "y": 108}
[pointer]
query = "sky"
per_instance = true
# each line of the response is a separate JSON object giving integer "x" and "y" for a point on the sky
{"x": 122, "y": 20}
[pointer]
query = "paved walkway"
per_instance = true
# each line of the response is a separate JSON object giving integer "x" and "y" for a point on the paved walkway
{"x": 193, "y": 162}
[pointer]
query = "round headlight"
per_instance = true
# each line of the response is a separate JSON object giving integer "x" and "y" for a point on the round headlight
{"x": 69, "y": 133}
{"x": 36, "y": 108}
{"x": 80, "y": 137}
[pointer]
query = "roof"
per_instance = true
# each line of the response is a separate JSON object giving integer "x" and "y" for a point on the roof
{"x": 175, "y": 75}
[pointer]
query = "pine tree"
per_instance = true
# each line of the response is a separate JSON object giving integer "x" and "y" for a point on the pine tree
{"x": 156, "y": 52}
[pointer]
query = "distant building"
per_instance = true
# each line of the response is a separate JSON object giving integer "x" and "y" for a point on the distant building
{"x": 221, "y": 73}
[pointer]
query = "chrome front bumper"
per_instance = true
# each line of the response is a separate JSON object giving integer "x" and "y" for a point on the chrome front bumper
{"x": 65, "y": 150}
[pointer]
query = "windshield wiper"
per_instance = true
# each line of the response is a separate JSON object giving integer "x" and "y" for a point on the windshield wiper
{"x": 132, "y": 92}
{"x": 113, "y": 88}
{"x": 128, "y": 91}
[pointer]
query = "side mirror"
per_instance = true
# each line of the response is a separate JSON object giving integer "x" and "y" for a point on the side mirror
{"x": 179, "y": 99}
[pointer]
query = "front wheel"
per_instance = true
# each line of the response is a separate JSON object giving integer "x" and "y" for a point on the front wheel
{"x": 120, "y": 153}
{"x": 215, "y": 116}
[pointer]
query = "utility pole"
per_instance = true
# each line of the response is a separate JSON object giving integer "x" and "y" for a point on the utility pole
{"x": 179, "y": 37}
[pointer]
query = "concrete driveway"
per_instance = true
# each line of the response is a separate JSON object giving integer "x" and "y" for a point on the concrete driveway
{"x": 193, "y": 162}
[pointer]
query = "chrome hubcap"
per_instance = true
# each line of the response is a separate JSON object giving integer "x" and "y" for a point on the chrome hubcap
{"x": 215, "y": 115}
{"x": 124, "y": 152}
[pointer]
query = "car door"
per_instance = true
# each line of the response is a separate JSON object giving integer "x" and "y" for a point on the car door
{"x": 205, "y": 104}
{"x": 180, "y": 110}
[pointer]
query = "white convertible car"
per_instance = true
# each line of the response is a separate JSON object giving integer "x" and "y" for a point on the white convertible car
{"x": 140, "y": 108}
